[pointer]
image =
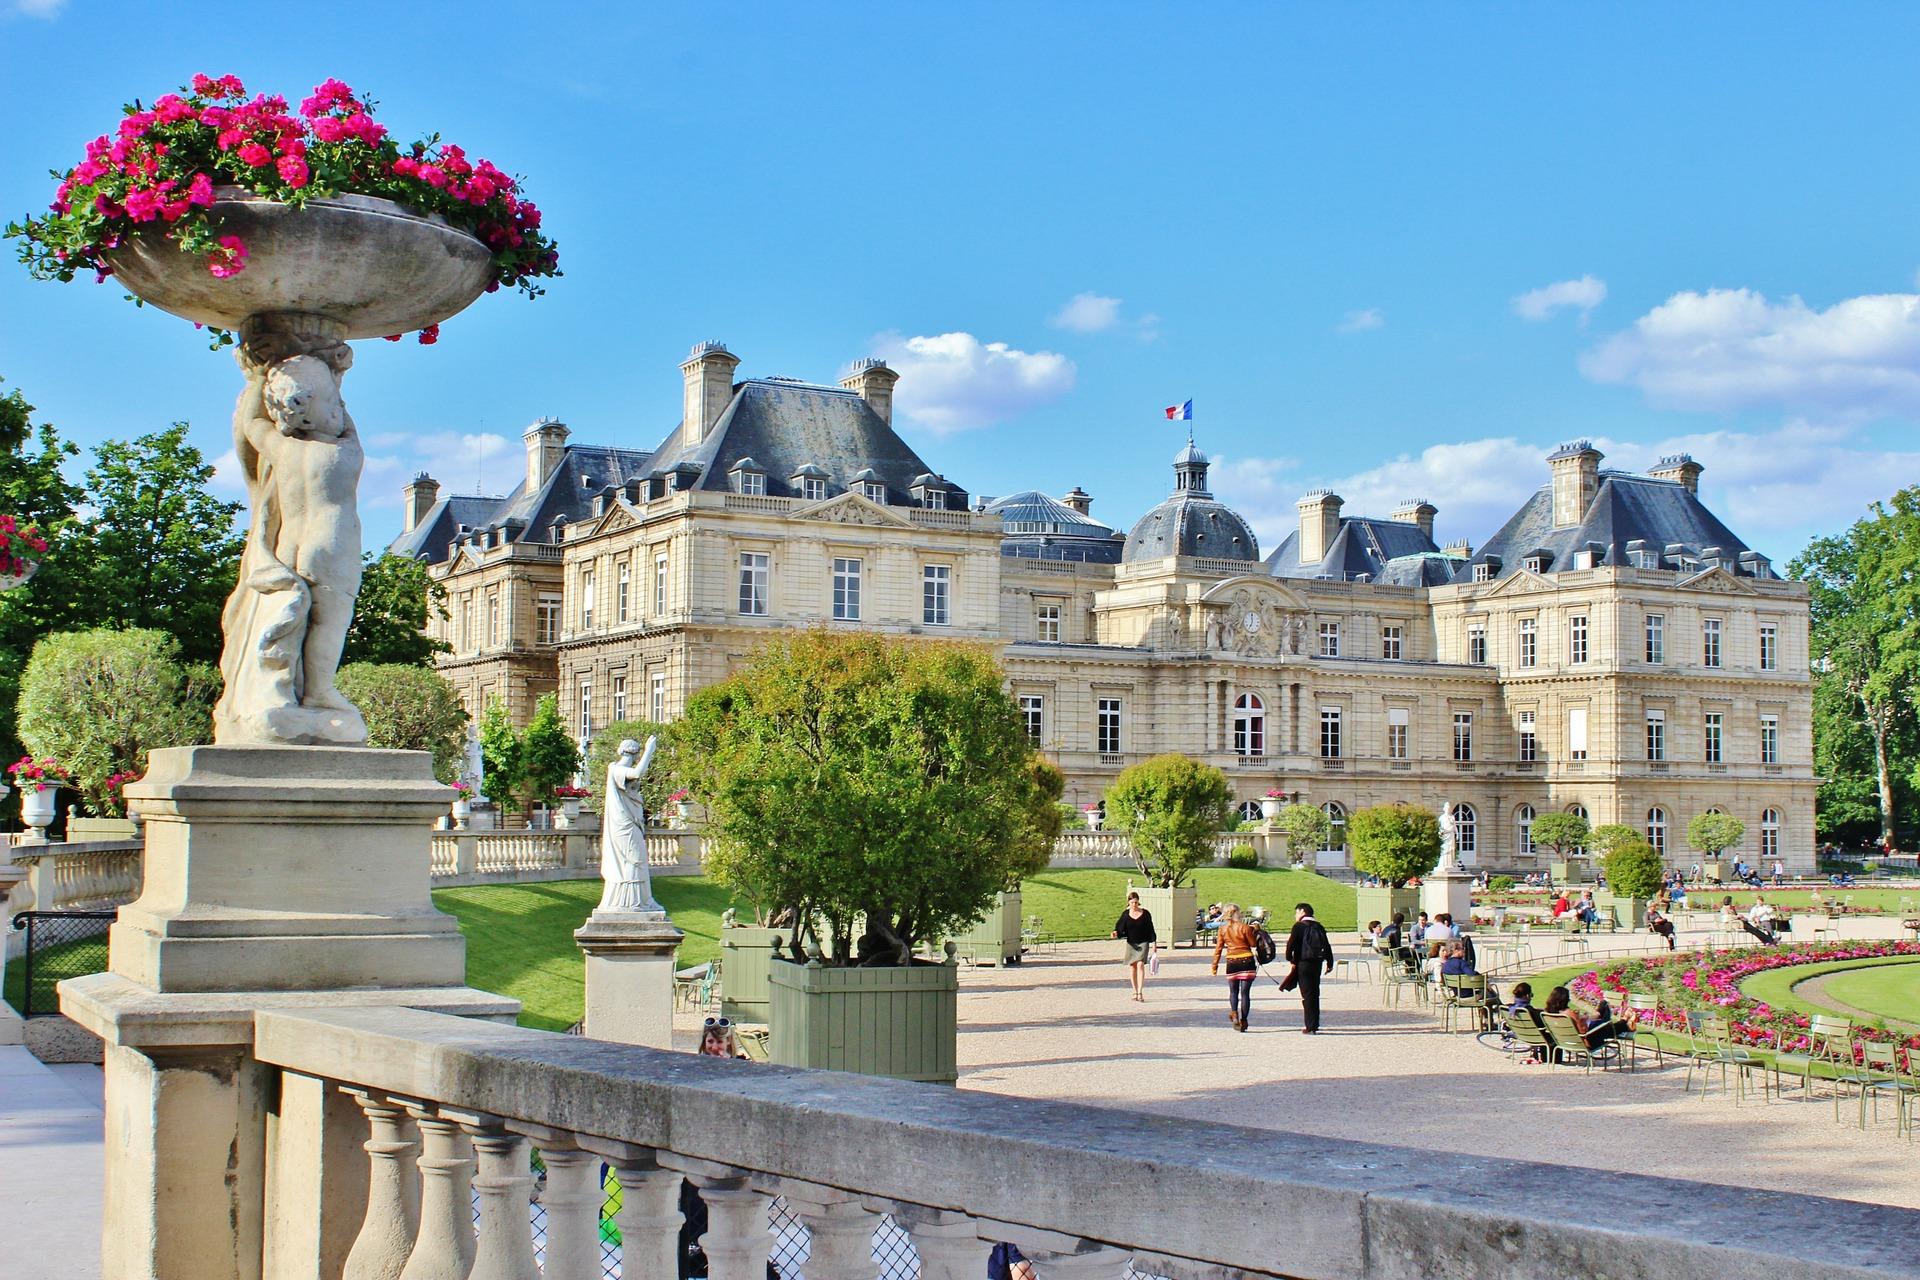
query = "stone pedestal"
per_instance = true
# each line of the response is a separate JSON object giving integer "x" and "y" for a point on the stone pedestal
{"x": 630, "y": 976}
{"x": 275, "y": 877}
{"x": 1449, "y": 889}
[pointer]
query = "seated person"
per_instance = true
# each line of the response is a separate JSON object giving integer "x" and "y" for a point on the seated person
{"x": 1759, "y": 922}
{"x": 1371, "y": 935}
{"x": 1456, "y": 963}
{"x": 1560, "y": 904}
{"x": 1522, "y": 1008}
{"x": 1586, "y": 910}
{"x": 1658, "y": 923}
{"x": 1389, "y": 937}
{"x": 1595, "y": 1031}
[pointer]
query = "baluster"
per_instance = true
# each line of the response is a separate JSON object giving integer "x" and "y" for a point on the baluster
{"x": 649, "y": 1217}
{"x": 504, "y": 1183}
{"x": 738, "y": 1240}
{"x": 393, "y": 1192}
{"x": 572, "y": 1200}
{"x": 1088, "y": 1262}
{"x": 443, "y": 1249}
{"x": 949, "y": 1244}
{"x": 841, "y": 1227}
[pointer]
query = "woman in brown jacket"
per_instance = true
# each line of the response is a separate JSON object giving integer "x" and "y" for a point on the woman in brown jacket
{"x": 1236, "y": 943}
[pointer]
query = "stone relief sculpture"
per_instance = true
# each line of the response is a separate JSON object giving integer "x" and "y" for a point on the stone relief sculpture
{"x": 287, "y": 618}
{"x": 623, "y": 836}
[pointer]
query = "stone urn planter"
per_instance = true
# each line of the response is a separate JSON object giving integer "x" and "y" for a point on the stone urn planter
{"x": 1172, "y": 911}
{"x": 995, "y": 938}
{"x": 1269, "y": 807}
{"x": 1093, "y": 819}
{"x": 462, "y": 812}
{"x": 570, "y": 809}
{"x": 37, "y": 806}
{"x": 898, "y": 1022}
{"x": 745, "y": 954}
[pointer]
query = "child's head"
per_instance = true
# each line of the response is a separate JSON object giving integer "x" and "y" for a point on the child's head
{"x": 716, "y": 1039}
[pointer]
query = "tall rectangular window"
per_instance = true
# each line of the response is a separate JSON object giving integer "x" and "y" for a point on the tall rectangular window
{"x": 1710, "y": 642}
{"x": 586, "y": 711}
{"x": 1033, "y": 709}
{"x": 1463, "y": 736}
{"x": 1329, "y": 639}
{"x": 619, "y": 697}
{"x": 1576, "y": 733}
{"x": 1769, "y": 647}
{"x": 1710, "y": 737}
{"x": 493, "y": 618}
{"x": 586, "y": 599}
{"x": 1109, "y": 727}
{"x": 659, "y": 586}
{"x": 469, "y": 638}
{"x": 546, "y": 618}
{"x": 1577, "y": 638}
{"x": 755, "y": 571}
{"x": 936, "y": 580}
{"x": 657, "y": 697}
{"x": 1769, "y": 739}
{"x": 1397, "y": 722}
{"x": 1529, "y": 642}
{"x": 1656, "y": 735}
{"x": 1477, "y": 643}
{"x": 621, "y": 611}
{"x": 1390, "y": 647}
{"x": 1329, "y": 733}
{"x": 1529, "y": 742}
{"x": 1656, "y": 638}
{"x": 1046, "y": 623}
{"x": 846, "y": 589}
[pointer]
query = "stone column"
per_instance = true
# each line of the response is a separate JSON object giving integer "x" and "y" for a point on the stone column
{"x": 630, "y": 976}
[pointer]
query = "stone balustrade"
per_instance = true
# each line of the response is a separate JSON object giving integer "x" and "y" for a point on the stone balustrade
{"x": 1114, "y": 849}
{"x": 437, "y": 1114}
{"x": 82, "y": 876}
{"x": 504, "y": 857}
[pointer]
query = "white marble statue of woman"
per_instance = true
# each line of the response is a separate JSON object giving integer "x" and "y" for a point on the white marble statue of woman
{"x": 623, "y": 836}
{"x": 1449, "y": 852}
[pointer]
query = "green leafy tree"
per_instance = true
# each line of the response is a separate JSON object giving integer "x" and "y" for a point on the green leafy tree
{"x": 1306, "y": 827}
{"x": 398, "y": 599}
{"x": 851, "y": 775}
{"x": 664, "y": 775}
{"x": 1711, "y": 833}
{"x": 499, "y": 755}
{"x": 166, "y": 550}
{"x": 1045, "y": 819}
{"x": 1609, "y": 836}
{"x": 1395, "y": 842}
{"x": 409, "y": 708}
{"x": 1171, "y": 807}
{"x": 99, "y": 701}
{"x": 1561, "y": 834}
{"x": 1634, "y": 870}
{"x": 549, "y": 756}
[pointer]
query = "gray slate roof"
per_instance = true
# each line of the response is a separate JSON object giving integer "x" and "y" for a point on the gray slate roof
{"x": 1382, "y": 550}
{"x": 1042, "y": 528}
{"x": 584, "y": 470}
{"x": 1627, "y": 507}
{"x": 784, "y": 425}
{"x": 1191, "y": 522}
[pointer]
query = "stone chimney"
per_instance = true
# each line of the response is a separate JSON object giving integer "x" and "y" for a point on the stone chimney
{"x": 546, "y": 445}
{"x": 1576, "y": 479}
{"x": 1319, "y": 524}
{"x": 1417, "y": 511}
{"x": 1079, "y": 500}
{"x": 417, "y": 498}
{"x": 707, "y": 388}
{"x": 1679, "y": 467}
{"x": 872, "y": 381}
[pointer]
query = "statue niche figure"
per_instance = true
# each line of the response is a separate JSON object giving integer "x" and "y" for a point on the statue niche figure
{"x": 623, "y": 835}
{"x": 287, "y": 618}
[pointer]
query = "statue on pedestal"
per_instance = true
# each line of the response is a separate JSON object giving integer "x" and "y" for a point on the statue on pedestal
{"x": 1449, "y": 852}
{"x": 623, "y": 835}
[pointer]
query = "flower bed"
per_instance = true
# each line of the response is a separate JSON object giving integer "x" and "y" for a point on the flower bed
{"x": 1710, "y": 982}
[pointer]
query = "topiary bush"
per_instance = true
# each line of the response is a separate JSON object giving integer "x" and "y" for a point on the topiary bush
{"x": 1634, "y": 870}
{"x": 409, "y": 708}
{"x": 1395, "y": 842}
{"x": 1171, "y": 806}
{"x": 1500, "y": 884}
{"x": 1243, "y": 858}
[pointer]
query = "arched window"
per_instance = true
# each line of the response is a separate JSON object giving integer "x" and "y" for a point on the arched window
{"x": 1250, "y": 811}
{"x": 1657, "y": 830}
{"x": 1579, "y": 811}
{"x": 1336, "y": 826}
{"x": 1466, "y": 830}
{"x": 1523, "y": 827}
{"x": 1249, "y": 725}
{"x": 1769, "y": 833}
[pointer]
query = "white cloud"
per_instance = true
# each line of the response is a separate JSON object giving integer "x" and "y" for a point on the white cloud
{"x": 46, "y": 9}
{"x": 1360, "y": 321}
{"x": 1088, "y": 313}
{"x": 954, "y": 382}
{"x": 1543, "y": 303}
{"x": 1729, "y": 349}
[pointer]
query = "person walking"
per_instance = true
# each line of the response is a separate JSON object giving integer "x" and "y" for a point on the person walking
{"x": 1238, "y": 942}
{"x": 1134, "y": 928}
{"x": 1308, "y": 950}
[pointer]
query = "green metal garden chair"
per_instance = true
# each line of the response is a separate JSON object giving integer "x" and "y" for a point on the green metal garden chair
{"x": 1712, "y": 1046}
{"x": 1570, "y": 1046}
{"x": 1829, "y": 1044}
{"x": 1464, "y": 991}
{"x": 1880, "y": 1062}
{"x": 1645, "y": 1011}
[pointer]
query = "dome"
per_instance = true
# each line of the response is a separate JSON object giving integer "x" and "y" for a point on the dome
{"x": 1191, "y": 522}
{"x": 1038, "y": 527}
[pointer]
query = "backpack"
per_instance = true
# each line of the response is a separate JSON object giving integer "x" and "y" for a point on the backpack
{"x": 1263, "y": 948}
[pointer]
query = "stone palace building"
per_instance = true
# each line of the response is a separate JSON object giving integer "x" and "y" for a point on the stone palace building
{"x": 1613, "y": 649}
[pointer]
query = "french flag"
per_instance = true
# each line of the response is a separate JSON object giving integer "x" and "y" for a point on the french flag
{"x": 1181, "y": 412}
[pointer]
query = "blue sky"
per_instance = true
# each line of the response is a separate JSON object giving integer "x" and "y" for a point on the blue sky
{"x": 1401, "y": 252}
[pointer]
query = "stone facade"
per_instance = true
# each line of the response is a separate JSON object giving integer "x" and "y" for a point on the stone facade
{"x": 1360, "y": 664}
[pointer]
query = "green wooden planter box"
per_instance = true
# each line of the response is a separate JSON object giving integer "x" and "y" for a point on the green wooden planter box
{"x": 899, "y": 1022}
{"x": 79, "y": 828}
{"x": 1379, "y": 903}
{"x": 1572, "y": 871}
{"x": 1632, "y": 912}
{"x": 744, "y": 955}
{"x": 1172, "y": 911}
{"x": 996, "y": 938}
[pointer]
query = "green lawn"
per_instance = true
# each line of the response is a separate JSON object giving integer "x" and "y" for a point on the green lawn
{"x": 1084, "y": 902}
{"x": 1704, "y": 897}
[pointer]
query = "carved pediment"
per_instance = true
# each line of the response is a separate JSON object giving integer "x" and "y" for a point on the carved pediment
{"x": 1520, "y": 583}
{"x": 851, "y": 508}
{"x": 1254, "y": 616}
{"x": 617, "y": 517}
{"x": 1719, "y": 582}
{"x": 1257, "y": 584}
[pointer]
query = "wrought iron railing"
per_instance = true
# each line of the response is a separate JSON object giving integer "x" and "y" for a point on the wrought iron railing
{"x": 60, "y": 945}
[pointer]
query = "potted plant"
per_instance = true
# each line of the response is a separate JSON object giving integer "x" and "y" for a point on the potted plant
{"x": 1713, "y": 834}
{"x": 1170, "y": 806}
{"x": 1092, "y": 814}
{"x": 1395, "y": 843}
{"x": 1634, "y": 872}
{"x": 39, "y": 783}
{"x": 21, "y": 547}
{"x": 1308, "y": 830}
{"x": 873, "y": 792}
{"x": 570, "y": 797}
{"x": 113, "y": 822}
{"x": 996, "y": 937}
{"x": 676, "y": 814}
{"x": 1564, "y": 836}
{"x": 1270, "y": 804}
{"x": 462, "y": 803}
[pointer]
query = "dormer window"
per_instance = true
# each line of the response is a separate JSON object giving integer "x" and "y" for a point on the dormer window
{"x": 1535, "y": 564}
{"x": 934, "y": 499}
{"x": 874, "y": 491}
{"x": 813, "y": 489}
{"x": 1483, "y": 572}
{"x": 748, "y": 478}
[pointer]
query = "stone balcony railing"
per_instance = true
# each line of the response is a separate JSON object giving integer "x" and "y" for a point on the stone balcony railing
{"x": 83, "y": 876}
{"x": 503, "y": 857}
{"x": 396, "y": 1123}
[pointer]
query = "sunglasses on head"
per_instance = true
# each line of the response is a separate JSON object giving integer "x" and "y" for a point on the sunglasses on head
{"x": 716, "y": 1023}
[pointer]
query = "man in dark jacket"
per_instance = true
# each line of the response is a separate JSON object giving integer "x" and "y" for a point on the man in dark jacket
{"x": 1310, "y": 954}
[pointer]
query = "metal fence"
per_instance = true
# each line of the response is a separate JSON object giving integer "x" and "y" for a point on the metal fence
{"x": 60, "y": 945}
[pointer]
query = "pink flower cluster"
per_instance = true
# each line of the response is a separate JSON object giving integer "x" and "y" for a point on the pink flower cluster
{"x": 39, "y": 774}
{"x": 16, "y": 542}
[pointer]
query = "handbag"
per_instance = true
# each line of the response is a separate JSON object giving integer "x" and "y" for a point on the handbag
{"x": 1153, "y": 960}
{"x": 1292, "y": 979}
